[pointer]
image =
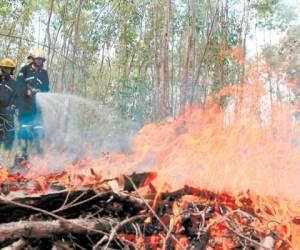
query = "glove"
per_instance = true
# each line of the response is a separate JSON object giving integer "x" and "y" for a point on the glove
{"x": 29, "y": 92}
{"x": 32, "y": 91}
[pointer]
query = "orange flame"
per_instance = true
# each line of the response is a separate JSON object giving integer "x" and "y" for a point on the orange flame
{"x": 252, "y": 143}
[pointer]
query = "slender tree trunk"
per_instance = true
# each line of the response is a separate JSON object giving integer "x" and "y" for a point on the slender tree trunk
{"x": 156, "y": 59}
{"x": 20, "y": 54}
{"x": 75, "y": 45}
{"x": 48, "y": 31}
{"x": 62, "y": 85}
{"x": 10, "y": 33}
{"x": 172, "y": 102}
{"x": 187, "y": 57}
{"x": 54, "y": 45}
{"x": 241, "y": 61}
{"x": 244, "y": 45}
{"x": 163, "y": 95}
{"x": 125, "y": 52}
{"x": 66, "y": 84}
{"x": 224, "y": 8}
{"x": 210, "y": 23}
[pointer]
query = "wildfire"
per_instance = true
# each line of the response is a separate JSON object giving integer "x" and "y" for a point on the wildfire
{"x": 249, "y": 144}
{"x": 249, "y": 148}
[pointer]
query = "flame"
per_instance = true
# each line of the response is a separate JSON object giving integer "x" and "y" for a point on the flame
{"x": 236, "y": 53}
{"x": 3, "y": 174}
{"x": 251, "y": 142}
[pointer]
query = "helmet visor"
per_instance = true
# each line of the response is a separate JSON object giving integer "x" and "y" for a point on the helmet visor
{"x": 40, "y": 58}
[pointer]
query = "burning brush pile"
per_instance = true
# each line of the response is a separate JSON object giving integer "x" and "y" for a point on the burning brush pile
{"x": 129, "y": 213}
{"x": 217, "y": 177}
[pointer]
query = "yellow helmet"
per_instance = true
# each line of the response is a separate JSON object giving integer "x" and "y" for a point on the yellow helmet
{"x": 38, "y": 53}
{"x": 7, "y": 63}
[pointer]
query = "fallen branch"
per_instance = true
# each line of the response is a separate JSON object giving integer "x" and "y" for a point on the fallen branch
{"x": 123, "y": 197}
{"x": 79, "y": 201}
{"x": 46, "y": 229}
{"x": 61, "y": 219}
{"x": 17, "y": 245}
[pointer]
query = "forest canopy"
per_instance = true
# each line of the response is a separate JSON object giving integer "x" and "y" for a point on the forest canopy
{"x": 150, "y": 59}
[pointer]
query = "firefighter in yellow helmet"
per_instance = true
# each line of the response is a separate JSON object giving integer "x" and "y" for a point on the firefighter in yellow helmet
{"x": 8, "y": 94}
{"x": 32, "y": 79}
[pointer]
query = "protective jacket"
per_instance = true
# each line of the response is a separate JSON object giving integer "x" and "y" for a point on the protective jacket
{"x": 8, "y": 95}
{"x": 30, "y": 81}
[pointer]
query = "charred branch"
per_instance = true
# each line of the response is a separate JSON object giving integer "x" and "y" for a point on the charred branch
{"x": 45, "y": 229}
{"x": 89, "y": 202}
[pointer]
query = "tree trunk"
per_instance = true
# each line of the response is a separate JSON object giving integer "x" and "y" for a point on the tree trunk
{"x": 20, "y": 43}
{"x": 210, "y": 23}
{"x": 163, "y": 88}
{"x": 48, "y": 31}
{"x": 55, "y": 42}
{"x": 224, "y": 8}
{"x": 156, "y": 59}
{"x": 187, "y": 57}
{"x": 75, "y": 44}
{"x": 63, "y": 87}
{"x": 244, "y": 45}
{"x": 46, "y": 229}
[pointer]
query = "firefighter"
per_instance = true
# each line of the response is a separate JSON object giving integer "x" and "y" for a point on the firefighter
{"x": 8, "y": 94}
{"x": 31, "y": 80}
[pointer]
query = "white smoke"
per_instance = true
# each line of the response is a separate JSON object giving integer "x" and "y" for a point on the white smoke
{"x": 76, "y": 127}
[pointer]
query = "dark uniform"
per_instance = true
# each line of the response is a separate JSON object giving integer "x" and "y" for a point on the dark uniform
{"x": 8, "y": 93}
{"x": 7, "y": 100}
{"x": 30, "y": 81}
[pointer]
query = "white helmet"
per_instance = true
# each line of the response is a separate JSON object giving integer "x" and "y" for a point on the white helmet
{"x": 38, "y": 53}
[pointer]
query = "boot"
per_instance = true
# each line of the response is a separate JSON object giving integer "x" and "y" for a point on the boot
{"x": 39, "y": 148}
{"x": 20, "y": 162}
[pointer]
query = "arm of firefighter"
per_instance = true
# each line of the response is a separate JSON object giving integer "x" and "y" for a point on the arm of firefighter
{"x": 20, "y": 83}
{"x": 21, "y": 88}
{"x": 15, "y": 95}
{"x": 21, "y": 75}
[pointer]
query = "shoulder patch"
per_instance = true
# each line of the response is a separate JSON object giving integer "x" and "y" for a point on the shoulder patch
{"x": 20, "y": 74}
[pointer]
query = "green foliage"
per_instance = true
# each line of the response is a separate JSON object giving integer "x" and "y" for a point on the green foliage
{"x": 133, "y": 98}
{"x": 265, "y": 7}
{"x": 286, "y": 51}
{"x": 113, "y": 53}
{"x": 272, "y": 14}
